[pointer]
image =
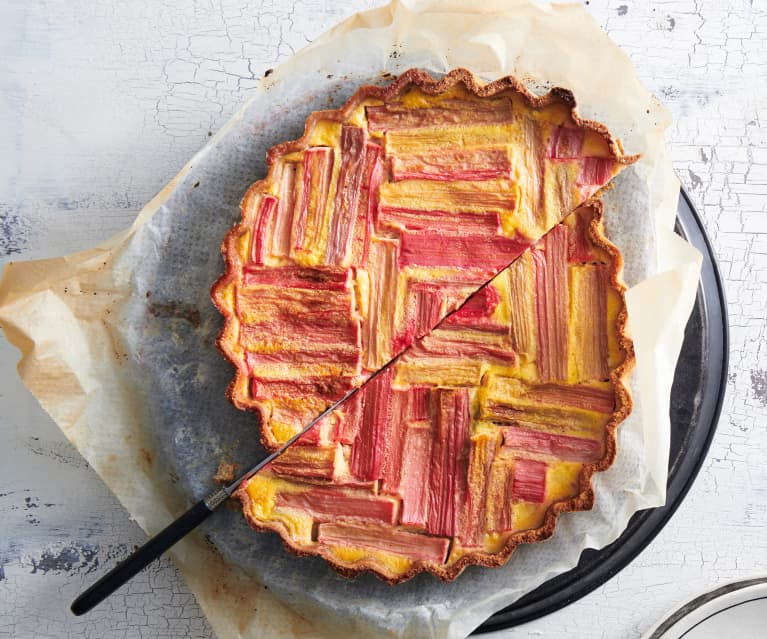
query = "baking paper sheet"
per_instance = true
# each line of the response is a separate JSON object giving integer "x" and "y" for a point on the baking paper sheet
{"x": 118, "y": 342}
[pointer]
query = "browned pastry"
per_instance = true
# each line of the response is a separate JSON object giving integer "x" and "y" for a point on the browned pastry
{"x": 385, "y": 217}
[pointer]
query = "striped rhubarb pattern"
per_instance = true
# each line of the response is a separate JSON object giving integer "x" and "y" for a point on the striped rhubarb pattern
{"x": 443, "y": 225}
{"x": 458, "y": 433}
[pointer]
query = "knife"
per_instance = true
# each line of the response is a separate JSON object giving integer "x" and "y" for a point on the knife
{"x": 198, "y": 513}
{"x": 168, "y": 536}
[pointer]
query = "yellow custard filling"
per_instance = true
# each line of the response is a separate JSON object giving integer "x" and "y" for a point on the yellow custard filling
{"x": 369, "y": 231}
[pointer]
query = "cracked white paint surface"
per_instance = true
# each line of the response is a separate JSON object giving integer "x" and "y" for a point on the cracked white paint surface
{"x": 102, "y": 103}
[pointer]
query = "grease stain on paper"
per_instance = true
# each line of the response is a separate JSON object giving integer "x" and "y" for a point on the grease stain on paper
{"x": 175, "y": 310}
{"x": 146, "y": 457}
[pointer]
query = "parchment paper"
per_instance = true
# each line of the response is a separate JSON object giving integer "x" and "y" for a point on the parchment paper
{"x": 117, "y": 342}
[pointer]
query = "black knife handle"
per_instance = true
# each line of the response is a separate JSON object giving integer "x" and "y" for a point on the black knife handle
{"x": 146, "y": 554}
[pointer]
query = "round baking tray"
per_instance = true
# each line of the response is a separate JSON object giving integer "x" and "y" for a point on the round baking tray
{"x": 697, "y": 393}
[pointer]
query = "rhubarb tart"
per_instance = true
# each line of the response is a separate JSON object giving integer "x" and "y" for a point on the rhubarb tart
{"x": 453, "y": 225}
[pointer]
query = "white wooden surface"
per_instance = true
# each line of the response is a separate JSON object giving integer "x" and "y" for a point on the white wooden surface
{"x": 101, "y": 104}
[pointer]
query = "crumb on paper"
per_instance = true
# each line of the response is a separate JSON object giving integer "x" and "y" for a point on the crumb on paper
{"x": 226, "y": 473}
